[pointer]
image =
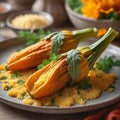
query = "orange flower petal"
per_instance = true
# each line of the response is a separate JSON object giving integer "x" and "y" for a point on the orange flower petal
{"x": 106, "y": 11}
{"x": 101, "y": 32}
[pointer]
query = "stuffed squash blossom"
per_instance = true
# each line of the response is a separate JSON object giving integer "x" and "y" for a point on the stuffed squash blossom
{"x": 57, "y": 42}
{"x": 72, "y": 67}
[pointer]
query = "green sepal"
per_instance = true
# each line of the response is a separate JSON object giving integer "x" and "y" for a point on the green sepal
{"x": 73, "y": 60}
{"x": 49, "y": 36}
{"x": 57, "y": 40}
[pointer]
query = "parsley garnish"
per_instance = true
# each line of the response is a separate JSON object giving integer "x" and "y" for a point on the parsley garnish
{"x": 106, "y": 63}
{"x": 53, "y": 57}
{"x": 84, "y": 100}
{"x": 23, "y": 95}
{"x": 31, "y": 38}
{"x": 8, "y": 87}
{"x": 3, "y": 78}
{"x": 16, "y": 74}
{"x": 84, "y": 84}
{"x": 20, "y": 82}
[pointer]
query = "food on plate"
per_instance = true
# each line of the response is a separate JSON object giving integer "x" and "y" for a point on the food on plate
{"x": 72, "y": 79}
{"x": 57, "y": 42}
{"x": 80, "y": 93}
{"x": 29, "y": 21}
{"x": 72, "y": 66}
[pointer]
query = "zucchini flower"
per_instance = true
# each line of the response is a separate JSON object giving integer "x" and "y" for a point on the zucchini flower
{"x": 72, "y": 67}
{"x": 57, "y": 42}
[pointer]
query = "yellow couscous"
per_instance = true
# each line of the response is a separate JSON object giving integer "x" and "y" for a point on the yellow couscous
{"x": 89, "y": 89}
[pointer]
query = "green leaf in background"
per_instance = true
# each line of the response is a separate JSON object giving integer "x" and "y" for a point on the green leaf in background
{"x": 73, "y": 61}
{"x": 113, "y": 16}
{"x": 76, "y": 5}
{"x": 31, "y": 38}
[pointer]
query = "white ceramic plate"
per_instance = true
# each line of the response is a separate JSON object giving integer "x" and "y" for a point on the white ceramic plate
{"x": 106, "y": 99}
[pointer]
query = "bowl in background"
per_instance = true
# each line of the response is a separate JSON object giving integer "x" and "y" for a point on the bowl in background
{"x": 81, "y": 22}
{"x": 5, "y": 9}
{"x": 46, "y": 15}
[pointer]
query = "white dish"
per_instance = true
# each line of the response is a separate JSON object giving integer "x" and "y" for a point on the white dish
{"x": 106, "y": 99}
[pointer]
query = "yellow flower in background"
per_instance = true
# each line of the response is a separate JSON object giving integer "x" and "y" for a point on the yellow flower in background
{"x": 106, "y": 6}
{"x": 87, "y": 10}
{"x": 97, "y": 8}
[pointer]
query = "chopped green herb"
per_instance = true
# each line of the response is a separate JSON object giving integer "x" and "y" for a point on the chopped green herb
{"x": 23, "y": 95}
{"x": 16, "y": 74}
{"x": 19, "y": 49}
{"x": 8, "y": 87}
{"x": 40, "y": 66}
{"x": 3, "y": 78}
{"x": 53, "y": 57}
{"x": 106, "y": 63}
{"x": 20, "y": 82}
{"x": 44, "y": 63}
{"x": 84, "y": 84}
{"x": 31, "y": 38}
{"x": 84, "y": 99}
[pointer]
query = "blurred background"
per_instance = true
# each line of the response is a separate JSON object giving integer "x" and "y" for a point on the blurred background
{"x": 56, "y": 8}
{"x": 61, "y": 14}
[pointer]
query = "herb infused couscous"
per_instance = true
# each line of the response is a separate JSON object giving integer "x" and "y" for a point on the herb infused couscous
{"x": 89, "y": 89}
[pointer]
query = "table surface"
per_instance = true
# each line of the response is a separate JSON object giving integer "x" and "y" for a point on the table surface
{"x": 10, "y": 113}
